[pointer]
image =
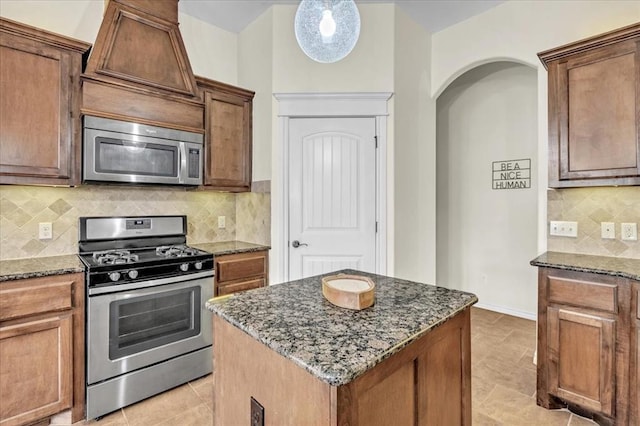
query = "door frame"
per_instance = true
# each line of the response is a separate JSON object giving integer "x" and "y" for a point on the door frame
{"x": 325, "y": 105}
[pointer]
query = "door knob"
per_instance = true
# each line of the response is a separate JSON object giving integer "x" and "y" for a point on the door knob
{"x": 297, "y": 244}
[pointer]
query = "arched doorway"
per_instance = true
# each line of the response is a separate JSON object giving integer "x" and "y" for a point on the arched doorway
{"x": 486, "y": 213}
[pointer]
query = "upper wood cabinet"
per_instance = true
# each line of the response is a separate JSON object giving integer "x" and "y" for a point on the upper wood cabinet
{"x": 40, "y": 131}
{"x": 228, "y": 136}
{"x": 594, "y": 99}
{"x": 139, "y": 70}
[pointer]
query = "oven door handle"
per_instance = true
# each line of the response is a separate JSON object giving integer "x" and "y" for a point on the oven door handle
{"x": 150, "y": 283}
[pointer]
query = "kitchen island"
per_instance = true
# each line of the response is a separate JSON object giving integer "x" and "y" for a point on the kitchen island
{"x": 405, "y": 360}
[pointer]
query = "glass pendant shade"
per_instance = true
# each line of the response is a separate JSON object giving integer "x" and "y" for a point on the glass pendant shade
{"x": 327, "y": 30}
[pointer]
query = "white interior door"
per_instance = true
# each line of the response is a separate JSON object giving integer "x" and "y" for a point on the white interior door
{"x": 332, "y": 195}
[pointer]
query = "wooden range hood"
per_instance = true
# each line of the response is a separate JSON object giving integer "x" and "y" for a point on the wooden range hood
{"x": 139, "y": 70}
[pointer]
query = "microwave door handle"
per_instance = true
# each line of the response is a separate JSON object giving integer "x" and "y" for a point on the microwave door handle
{"x": 182, "y": 160}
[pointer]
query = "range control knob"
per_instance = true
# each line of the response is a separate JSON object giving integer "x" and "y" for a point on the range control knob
{"x": 133, "y": 274}
{"x": 198, "y": 265}
{"x": 114, "y": 276}
{"x": 184, "y": 267}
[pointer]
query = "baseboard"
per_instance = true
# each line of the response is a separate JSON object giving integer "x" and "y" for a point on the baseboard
{"x": 508, "y": 311}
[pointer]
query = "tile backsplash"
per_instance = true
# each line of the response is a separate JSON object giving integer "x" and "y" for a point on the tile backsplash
{"x": 22, "y": 208}
{"x": 253, "y": 217}
{"x": 589, "y": 207}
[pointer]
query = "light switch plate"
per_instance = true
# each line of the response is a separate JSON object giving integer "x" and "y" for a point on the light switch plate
{"x": 629, "y": 231}
{"x": 563, "y": 228}
{"x": 222, "y": 222}
{"x": 45, "y": 231}
{"x": 608, "y": 230}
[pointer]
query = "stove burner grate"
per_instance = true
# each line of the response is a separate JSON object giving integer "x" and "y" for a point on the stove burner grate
{"x": 114, "y": 257}
{"x": 176, "y": 251}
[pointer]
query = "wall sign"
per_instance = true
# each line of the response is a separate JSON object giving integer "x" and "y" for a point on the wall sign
{"x": 512, "y": 174}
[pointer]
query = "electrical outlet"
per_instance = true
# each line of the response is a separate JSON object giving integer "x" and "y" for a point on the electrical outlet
{"x": 629, "y": 231}
{"x": 608, "y": 230}
{"x": 45, "y": 231}
{"x": 222, "y": 222}
{"x": 563, "y": 229}
{"x": 257, "y": 413}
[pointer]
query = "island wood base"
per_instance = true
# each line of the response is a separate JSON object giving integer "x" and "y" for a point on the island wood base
{"x": 426, "y": 383}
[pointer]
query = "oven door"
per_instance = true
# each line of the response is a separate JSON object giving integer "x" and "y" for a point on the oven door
{"x": 132, "y": 329}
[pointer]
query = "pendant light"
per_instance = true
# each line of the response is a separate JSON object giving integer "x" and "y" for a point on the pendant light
{"x": 327, "y": 30}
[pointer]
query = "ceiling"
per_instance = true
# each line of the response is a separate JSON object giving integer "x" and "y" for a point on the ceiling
{"x": 433, "y": 15}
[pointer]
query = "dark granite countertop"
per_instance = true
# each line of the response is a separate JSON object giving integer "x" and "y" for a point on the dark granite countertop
{"x": 16, "y": 269}
{"x": 616, "y": 266}
{"x": 229, "y": 247}
{"x": 335, "y": 344}
{"x": 39, "y": 267}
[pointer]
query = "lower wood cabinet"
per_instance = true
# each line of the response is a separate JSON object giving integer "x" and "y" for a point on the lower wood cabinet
{"x": 585, "y": 345}
{"x": 241, "y": 272}
{"x": 635, "y": 392}
{"x": 41, "y": 348}
{"x": 635, "y": 347}
{"x": 36, "y": 369}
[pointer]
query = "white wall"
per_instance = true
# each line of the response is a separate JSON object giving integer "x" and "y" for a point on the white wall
{"x": 213, "y": 52}
{"x": 487, "y": 237}
{"x": 369, "y": 67}
{"x": 413, "y": 206}
{"x": 516, "y": 31}
{"x": 255, "y": 71}
{"x": 73, "y": 18}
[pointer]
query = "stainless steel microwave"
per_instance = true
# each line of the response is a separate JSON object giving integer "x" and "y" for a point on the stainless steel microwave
{"x": 125, "y": 152}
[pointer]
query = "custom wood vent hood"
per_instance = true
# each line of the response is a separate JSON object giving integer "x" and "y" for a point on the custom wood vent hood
{"x": 139, "y": 70}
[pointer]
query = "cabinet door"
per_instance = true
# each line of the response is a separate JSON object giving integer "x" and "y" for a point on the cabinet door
{"x": 635, "y": 372}
{"x": 635, "y": 402}
{"x": 597, "y": 96}
{"x": 581, "y": 358}
{"x": 227, "y": 142}
{"x": 38, "y": 122}
{"x": 35, "y": 372}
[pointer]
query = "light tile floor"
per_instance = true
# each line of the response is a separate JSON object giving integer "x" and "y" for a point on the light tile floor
{"x": 503, "y": 385}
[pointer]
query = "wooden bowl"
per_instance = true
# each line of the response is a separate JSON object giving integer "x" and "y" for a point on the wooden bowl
{"x": 349, "y": 291}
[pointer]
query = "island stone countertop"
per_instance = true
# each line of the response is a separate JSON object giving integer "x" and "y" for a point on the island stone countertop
{"x": 605, "y": 265}
{"x": 39, "y": 267}
{"x": 229, "y": 247}
{"x": 335, "y": 344}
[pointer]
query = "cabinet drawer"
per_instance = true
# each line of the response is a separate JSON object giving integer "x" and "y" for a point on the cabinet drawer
{"x": 638, "y": 305}
{"x": 240, "y": 266}
{"x": 583, "y": 293}
{"x": 35, "y": 296}
{"x": 240, "y": 286}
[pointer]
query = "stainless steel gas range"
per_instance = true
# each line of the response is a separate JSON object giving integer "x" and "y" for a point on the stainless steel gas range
{"x": 147, "y": 327}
